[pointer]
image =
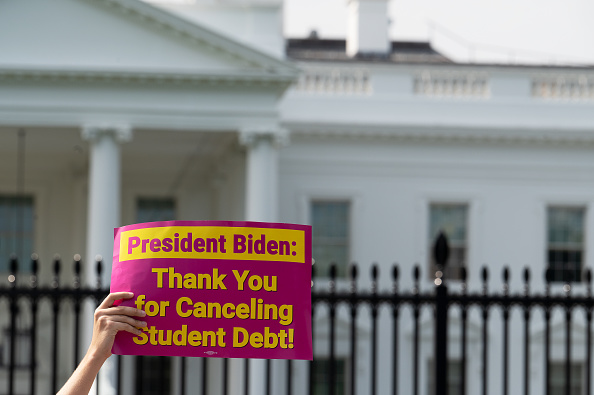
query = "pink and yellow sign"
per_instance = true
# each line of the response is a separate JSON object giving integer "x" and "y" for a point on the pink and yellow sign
{"x": 216, "y": 289}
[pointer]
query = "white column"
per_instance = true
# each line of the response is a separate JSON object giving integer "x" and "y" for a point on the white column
{"x": 103, "y": 216}
{"x": 261, "y": 204}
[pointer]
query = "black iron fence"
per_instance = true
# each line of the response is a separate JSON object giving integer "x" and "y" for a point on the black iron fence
{"x": 20, "y": 344}
{"x": 392, "y": 331}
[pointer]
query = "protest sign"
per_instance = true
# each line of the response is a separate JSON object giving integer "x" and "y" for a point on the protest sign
{"x": 216, "y": 289}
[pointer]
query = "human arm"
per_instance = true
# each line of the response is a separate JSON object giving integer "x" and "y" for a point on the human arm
{"x": 108, "y": 321}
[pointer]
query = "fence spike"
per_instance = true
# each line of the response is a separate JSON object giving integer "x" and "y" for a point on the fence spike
{"x": 588, "y": 275}
{"x": 99, "y": 266}
{"x": 98, "y": 269}
{"x": 526, "y": 275}
{"x": 34, "y": 264}
{"x": 13, "y": 270}
{"x": 505, "y": 280}
{"x": 395, "y": 272}
{"x": 416, "y": 276}
{"x": 549, "y": 275}
{"x": 441, "y": 250}
{"x": 506, "y": 274}
{"x": 464, "y": 278}
{"x": 374, "y": 275}
{"x": 354, "y": 272}
{"x": 332, "y": 283}
{"x": 526, "y": 281}
{"x": 34, "y": 270}
{"x": 374, "y": 272}
{"x": 56, "y": 280}
{"x": 485, "y": 274}
{"x": 57, "y": 265}
{"x": 77, "y": 264}
{"x": 77, "y": 267}
{"x": 14, "y": 265}
{"x": 333, "y": 271}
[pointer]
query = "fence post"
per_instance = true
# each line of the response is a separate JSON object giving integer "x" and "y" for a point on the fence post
{"x": 441, "y": 252}
{"x": 32, "y": 329}
{"x": 55, "y": 322}
{"x": 13, "y": 319}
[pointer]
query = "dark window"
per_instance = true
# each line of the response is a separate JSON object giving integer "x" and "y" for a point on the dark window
{"x": 453, "y": 379}
{"x": 452, "y": 219}
{"x": 153, "y": 375}
{"x": 330, "y": 227}
{"x": 321, "y": 382}
{"x": 155, "y": 209}
{"x": 565, "y": 243}
{"x": 16, "y": 231}
{"x": 557, "y": 378}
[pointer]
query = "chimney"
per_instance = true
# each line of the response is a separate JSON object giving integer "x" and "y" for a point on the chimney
{"x": 367, "y": 27}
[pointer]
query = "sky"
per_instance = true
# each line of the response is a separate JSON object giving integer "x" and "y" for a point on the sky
{"x": 508, "y": 31}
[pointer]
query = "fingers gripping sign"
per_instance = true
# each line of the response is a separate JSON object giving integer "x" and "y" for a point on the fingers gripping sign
{"x": 110, "y": 318}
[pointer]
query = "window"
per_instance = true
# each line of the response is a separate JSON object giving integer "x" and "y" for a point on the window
{"x": 330, "y": 227}
{"x": 452, "y": 219}
{"x": 557, "y": 378}
{"x": 153, "y": 375}
{"x": 16, "y": 231}
{"x": 565, "y": 242}
{"x": 321, "y": 375}
{"x": 453, "y": 379}
{"x": 155, "y": 209}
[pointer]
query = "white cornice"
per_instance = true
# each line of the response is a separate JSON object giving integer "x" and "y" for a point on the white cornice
{"x": 166, "y": 20}
{"x": 208, "y": 119}
{"x": 441, "y": 134}
{"x": 148, "y": 77}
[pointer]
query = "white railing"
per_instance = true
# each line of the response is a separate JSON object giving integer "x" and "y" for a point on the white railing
{"x": 347, "y": 81}
{"x": 452, "y": 84}
{"x": 564, "y": 87}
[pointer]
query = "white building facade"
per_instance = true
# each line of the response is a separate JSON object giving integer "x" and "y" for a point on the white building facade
{"x": 117, "y": 111}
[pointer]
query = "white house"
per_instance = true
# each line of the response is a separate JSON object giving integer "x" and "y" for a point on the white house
{"x": 120, "y": 111}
